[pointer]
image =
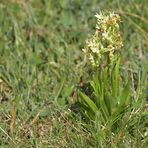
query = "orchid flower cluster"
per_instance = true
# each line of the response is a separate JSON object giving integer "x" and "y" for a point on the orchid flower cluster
{"x": 106, "y": 39}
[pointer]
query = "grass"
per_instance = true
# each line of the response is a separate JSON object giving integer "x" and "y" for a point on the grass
{"x": 41, "y": 66}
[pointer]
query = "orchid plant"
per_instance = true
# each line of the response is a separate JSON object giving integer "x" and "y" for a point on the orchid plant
{"x": 111, "y": 93}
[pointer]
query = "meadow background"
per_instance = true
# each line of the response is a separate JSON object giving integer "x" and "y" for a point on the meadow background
{"x": 42, "y": 66}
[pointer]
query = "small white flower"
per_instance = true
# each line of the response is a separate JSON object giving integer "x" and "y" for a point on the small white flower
{"x": 112, "y": 14}
{"x": 91, "y": 57}
{"x": 84, "y": 50}
{"x": 99, "y": 16}
{"x": 105, "y": 34}
{"x": 90, "y": 43}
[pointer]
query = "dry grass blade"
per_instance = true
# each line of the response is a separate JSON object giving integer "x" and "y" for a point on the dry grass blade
{"x": 36, "y": 117}
{"x": 13, "y": 113}
{"x": 1, "y": 89}
{"x": 7, "y": 135}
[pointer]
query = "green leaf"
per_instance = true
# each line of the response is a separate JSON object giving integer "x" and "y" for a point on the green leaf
{"x": 88, "y": 101}
{"x": 116, "y": 78}
{"x": 124, "y": 98}
{"x": 105, "y": 78}
{"x": 86, "y": 109}
{"x": 107, "y": 101}
{"x": 113, "y": 82}
{"x": 92, "y": 83}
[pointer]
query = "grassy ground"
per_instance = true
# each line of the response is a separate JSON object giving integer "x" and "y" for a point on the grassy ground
{"x": 41, "y": 64}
